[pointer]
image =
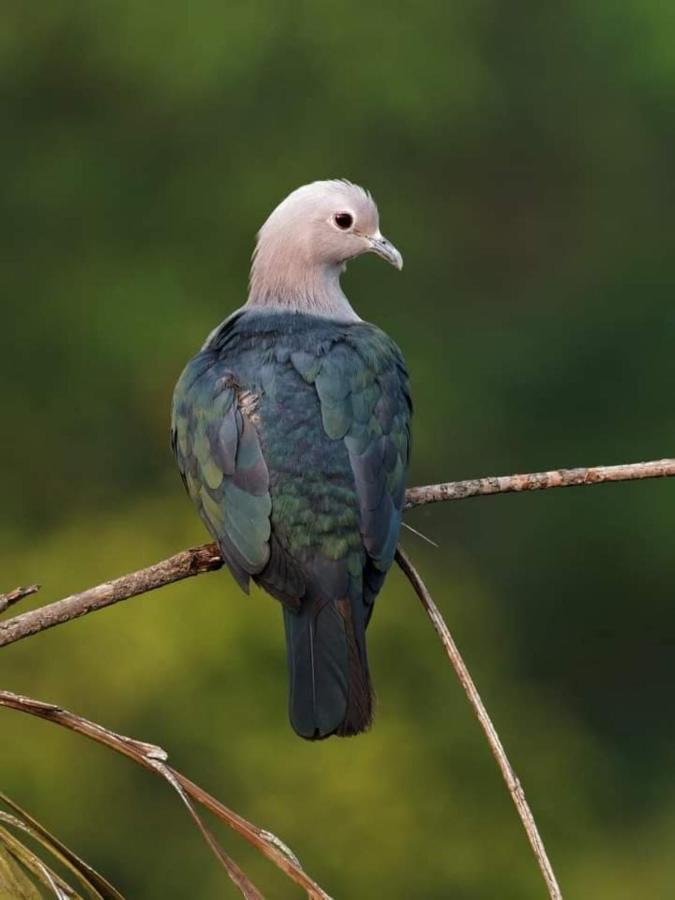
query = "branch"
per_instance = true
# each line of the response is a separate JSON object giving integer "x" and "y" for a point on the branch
{"x": 537, "y": 481}
{"x": 7, "y": 600}
{"x": 207, "y": 558}
{"x": 154, "y": 759}
{"x": 474, "y": 698}
{"x": 194, "y": 561}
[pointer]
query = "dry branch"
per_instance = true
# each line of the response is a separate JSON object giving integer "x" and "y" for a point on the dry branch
{"x": 7, "y": 600}
{"x": 537, "y": 481}
{"x": 465, "y": 679}
{"x": 194, "y": 561}
{"x": 154, "y": 759}
{"x": 206, "y": 558}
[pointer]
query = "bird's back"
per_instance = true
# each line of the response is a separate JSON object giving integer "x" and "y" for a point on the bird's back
{"x": 292, "y": 433}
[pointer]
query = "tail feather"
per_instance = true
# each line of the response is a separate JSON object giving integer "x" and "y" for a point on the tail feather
{"x": 359, "y": 712}
{"x": 330, "y": 689}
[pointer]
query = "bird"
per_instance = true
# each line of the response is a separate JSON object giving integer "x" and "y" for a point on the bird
{"x": 291, "y": 429}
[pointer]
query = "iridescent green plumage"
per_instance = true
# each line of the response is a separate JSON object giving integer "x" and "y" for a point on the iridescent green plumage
{"x": 292, "y": 435}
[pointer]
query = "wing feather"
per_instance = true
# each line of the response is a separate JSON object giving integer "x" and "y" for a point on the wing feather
{"x": 221, "y": 460}
{"x": 362, "y": 386}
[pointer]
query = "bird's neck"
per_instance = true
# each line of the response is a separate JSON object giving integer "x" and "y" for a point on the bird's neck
{"x": 290, "y": 284}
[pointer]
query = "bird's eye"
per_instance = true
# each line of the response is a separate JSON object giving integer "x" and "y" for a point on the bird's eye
{"x": 344, "y": 220}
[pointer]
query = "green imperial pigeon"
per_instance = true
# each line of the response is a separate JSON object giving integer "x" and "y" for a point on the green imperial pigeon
{"x": 291, "y": 428}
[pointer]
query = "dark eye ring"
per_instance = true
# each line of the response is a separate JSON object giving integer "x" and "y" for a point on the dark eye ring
{"x": 344, "y": 220}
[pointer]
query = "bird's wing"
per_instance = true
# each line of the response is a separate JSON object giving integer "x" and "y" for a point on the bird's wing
{"x": 216, "y": 444}
{"x": 362, "y": 385}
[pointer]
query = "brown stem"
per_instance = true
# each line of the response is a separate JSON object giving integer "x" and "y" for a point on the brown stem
{"x": 474, "y": 698}
{"x": 537, "y": 481}
{"x": 206, "y": 558}
{"x": 185, "y": 564}
{"x": 154, "y": 759}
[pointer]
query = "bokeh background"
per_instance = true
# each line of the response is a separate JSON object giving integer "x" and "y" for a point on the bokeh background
{"x": 522, "y": 157}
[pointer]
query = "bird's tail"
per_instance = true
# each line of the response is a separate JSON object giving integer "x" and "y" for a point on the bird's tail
{"x": 329, "y": 690}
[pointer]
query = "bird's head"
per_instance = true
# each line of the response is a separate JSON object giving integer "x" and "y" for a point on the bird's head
{"x": 306, "y": 242}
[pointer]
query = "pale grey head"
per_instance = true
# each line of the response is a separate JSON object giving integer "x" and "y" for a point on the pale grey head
{"x": 305, "y": 244}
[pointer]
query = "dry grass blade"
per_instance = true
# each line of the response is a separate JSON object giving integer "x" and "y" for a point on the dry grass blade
{"x": 267, "y": 843}
{"x": 148, "y": 756}
{"x": 238, "y": 877}
{"x": 15, "y": 883}
{"x": 37, "y": 867}
{"x": 462, "y": 672}
{"x": 92, "y": 880}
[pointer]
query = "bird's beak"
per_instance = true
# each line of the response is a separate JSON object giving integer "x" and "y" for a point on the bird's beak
{"x": 385, "y": 249}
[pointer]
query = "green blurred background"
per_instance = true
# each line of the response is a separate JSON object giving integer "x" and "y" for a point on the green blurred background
{"x": 523, "y": 161}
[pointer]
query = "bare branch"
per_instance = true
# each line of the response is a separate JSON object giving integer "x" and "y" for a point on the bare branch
{"x": 7, "y": 600}
{"x": 207, "y": 558}
{"x": 537, "y": 481}
{"x": 194, "y": 561}
{"x": 154, "y": 759}
{"x": 458, "y": 664}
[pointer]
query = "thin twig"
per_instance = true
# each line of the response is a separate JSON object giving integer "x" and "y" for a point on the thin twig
{"x": 458, "y": 664}
{"x": 207, "y": 558}
{"x": 7, "y": 600}
{"x": 537, "y": 481}
{"x": 185, "y": 564}
{"x": 154, "y": 759}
